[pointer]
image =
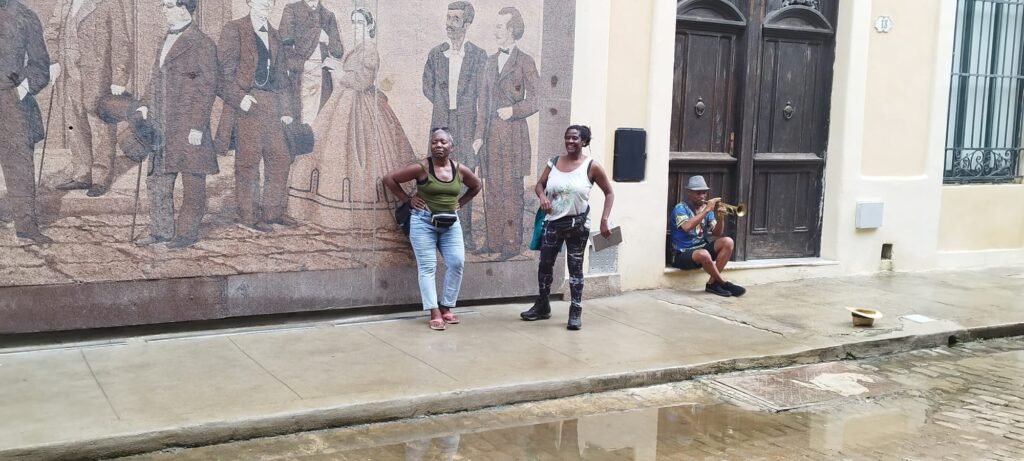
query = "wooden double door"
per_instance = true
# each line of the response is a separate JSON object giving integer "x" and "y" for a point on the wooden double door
{"x": 752, "y": 86}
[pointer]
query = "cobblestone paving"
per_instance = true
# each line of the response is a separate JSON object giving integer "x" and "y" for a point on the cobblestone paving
{"x": 962, "y": 402}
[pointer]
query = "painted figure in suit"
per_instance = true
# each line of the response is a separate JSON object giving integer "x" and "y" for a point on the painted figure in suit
{"x": 25, "y": 63}
{"x": 92, "y": 50}
{"x": 178, "y": 103}
{"x": 451, "y": 81}
{"x": 508, "y": 95}
{"x": 255, "y": 88}
{"x": 310, "y": 35}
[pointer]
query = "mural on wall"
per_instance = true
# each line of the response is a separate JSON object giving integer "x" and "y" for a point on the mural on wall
{"x": 147, "y": 139}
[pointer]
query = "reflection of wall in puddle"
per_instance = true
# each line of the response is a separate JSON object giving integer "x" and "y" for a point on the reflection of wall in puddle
{"x": 848, "y": 429}
{"x": 636, "y": 430}
{"x": 447, "y": 447}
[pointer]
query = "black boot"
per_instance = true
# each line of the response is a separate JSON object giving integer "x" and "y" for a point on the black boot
{"x": 541, "y": 310}
{"x": 575, "y": 320}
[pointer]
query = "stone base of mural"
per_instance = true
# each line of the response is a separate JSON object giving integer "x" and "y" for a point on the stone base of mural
{"x": 30, "y": 309}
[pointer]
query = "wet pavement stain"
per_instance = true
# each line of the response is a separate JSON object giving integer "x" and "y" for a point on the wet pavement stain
{"x": 962, "y": 402}
{"x": 795, "y": 387}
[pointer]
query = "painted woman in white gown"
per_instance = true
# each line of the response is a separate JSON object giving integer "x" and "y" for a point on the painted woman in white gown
{"x": 358, "y": 140}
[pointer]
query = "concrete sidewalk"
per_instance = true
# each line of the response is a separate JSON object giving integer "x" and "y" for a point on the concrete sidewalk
{"x": 148, "y": 393}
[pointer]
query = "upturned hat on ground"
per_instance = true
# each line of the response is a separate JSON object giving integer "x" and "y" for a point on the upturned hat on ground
{"x": 697, "y": 182}
{"x": 116, "y": 108}
{"x": 863, "y": 317}
{"x": 299, "y": 137}
{"x": 865, "y": 312}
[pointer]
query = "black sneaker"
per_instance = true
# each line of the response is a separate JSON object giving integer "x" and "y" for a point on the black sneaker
{"x": 734, "y": 289}
{"x": 717, "y": 289}
{"x": 541, "y": 310}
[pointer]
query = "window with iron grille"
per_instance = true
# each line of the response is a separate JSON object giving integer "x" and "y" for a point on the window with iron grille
{"x": 984, "y": 136}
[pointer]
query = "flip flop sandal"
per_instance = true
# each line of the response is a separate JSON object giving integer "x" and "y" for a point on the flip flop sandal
{"x": 449, "y": 317}
{"x": 437, "y": 324}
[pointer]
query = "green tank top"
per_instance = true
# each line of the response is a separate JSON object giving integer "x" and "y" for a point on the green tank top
{"x": 440, "y": 196}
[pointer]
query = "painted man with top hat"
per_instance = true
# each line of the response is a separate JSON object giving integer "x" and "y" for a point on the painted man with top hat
{"x": 24, "y": 64}
{"x": 508, "y": 96}
{"x": 451, "y": 81}
{"x": 309, "y": 32}
{"x": 92, "y": 51}
{"x": 178, "y": 104}
{"x": 255, "y": 88}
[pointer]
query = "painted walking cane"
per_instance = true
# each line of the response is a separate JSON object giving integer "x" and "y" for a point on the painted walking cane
{"x": 49, "y": 108}
{"x": 135, "y": 208}
{"x": 46, "y": 136}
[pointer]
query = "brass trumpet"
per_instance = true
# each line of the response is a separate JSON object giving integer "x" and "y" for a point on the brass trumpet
{"x": 738, "y": 210}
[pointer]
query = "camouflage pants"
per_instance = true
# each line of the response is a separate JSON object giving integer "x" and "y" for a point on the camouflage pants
{"x": 551, "y": 242}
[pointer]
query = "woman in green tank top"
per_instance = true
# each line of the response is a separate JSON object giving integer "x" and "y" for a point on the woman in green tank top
{"x": 434, "y": 224}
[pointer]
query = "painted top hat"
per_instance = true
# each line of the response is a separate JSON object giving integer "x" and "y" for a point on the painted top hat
{"x": 299, "y": 137}
{"x": 116, "y": 108}
{"x": 141, "y": 140}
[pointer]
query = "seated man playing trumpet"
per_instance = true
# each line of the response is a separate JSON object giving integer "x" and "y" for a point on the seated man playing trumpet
{"x": 691, "y": 222}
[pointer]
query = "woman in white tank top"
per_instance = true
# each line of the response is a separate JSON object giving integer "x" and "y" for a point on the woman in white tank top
{"x": 564, "y": 192}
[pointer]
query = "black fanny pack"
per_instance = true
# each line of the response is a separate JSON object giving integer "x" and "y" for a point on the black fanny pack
{"x": 443, "y": 219}
{"x": 570, "y": 223}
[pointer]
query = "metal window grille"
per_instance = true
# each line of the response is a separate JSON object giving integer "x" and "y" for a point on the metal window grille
{"x": 984, "y": 136}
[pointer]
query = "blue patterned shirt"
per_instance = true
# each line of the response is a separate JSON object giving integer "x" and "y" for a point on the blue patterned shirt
{"x": 696, "y": 237}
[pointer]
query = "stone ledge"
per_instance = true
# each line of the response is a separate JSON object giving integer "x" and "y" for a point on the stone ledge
{"x": 768, "y": 264}
{"x": 601, "y": 285}
{"x": 758, "y": 272}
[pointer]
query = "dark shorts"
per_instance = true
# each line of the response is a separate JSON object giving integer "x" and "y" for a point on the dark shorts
{"x": 684, "y": 259}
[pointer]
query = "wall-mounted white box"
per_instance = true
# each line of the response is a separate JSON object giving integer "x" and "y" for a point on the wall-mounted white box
{"x": 869, "y": 215}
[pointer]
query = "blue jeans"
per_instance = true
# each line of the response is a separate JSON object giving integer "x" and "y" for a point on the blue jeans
{"x": 426, "y": 239}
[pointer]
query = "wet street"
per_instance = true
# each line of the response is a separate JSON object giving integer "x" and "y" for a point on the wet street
{"x": 960, "y": 402}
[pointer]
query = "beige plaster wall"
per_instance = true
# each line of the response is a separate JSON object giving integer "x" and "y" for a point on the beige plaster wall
{"x": 633, "y": 67}
{"x": 910, "y": 190}
{"x": 898, "y": 96}
{"x": 982, "y": 217}
{"x": 624, "y": 52}
{"x": 895, "y": 155}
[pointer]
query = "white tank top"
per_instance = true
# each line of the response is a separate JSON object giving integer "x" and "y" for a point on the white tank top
{"x": 569, "y": 192}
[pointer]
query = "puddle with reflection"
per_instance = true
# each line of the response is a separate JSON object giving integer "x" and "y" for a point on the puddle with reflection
{"x": 950, "y": 403}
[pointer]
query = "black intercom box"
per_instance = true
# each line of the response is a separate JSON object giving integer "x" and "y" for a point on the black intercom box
{"x": 630, "y": 155}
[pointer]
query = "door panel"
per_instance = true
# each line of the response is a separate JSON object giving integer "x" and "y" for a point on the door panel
{"x": 784, "y": 213}
{"x": 789, "y": 114}
{"x": 705, "y": 83}
{"x": 791, "y": 132}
